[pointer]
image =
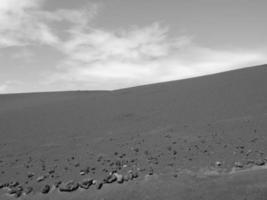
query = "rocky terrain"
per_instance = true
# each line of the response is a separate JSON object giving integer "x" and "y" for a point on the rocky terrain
{"x": 201, "y": 138}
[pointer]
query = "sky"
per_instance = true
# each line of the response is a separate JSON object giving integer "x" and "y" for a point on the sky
{"x": 55, "y": 45}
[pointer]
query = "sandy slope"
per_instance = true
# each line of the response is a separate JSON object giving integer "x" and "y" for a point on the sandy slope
{"x": 171, "y": 128}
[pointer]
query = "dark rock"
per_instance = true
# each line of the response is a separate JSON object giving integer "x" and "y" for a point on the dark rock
{"x": 52, "y": 171}
{"x": 69, "y": 186}
{"x": 99, "y": 185}
{"x": 86, "y": 183}
{"x": 45, "y": 189}
{"x": 30, "y": 175}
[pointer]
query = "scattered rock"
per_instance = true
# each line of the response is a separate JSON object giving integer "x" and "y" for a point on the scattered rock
{"x": 238, "y": 165}
{"x": 41, "y": 178}
{"x": 260, "y": 162}
{"x": 14, "y": 191}
{"x": 111, "y": 178}
{"x": 69, "y": 186}
{"x": 30, "y": 175}
{"x": 150, "y": 171}
{"x": 82, "y": 172}
{"x": 99, "y": 185}
{"x": 13, "y": 184}
{"x": 86, "y": 183}
{"x": 218, "y": 164}
{"x": 57, "y": 183}
{"x": 28, "y": 190}
{"x": 45, "y": 189}
{"x": 119, "y": 177}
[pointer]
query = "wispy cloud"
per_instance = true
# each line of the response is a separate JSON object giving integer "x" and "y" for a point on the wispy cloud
{"x": 96, "y": 58}
{"x": 23, "y": 22}
{"x": 101, "y": 59}
{"x": 9, "y": 86}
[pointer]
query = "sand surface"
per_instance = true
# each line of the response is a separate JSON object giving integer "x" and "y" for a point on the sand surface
{"x": 201, "y": 138}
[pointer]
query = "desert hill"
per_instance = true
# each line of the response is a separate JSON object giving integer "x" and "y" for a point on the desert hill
{"x": 177, "y": 129}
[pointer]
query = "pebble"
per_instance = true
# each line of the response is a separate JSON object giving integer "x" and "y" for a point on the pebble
{"x": 69, "y": 186}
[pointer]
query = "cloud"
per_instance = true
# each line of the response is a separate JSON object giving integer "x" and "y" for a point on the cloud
{"x": 23, "y": 22}
{"x": 96, "y": 58}
{"x": 101, "y": 59}
{"x": 3, "y": 88}
{"x": 8, "y": 86}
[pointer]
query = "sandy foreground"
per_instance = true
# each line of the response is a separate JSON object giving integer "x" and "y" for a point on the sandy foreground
{"x": 202, "y": 138}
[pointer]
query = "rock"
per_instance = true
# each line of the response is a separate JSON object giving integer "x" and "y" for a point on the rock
{"x": 86, "y": 183}
{"x": 2, "y": 185}
{"x": 57, "y": 183}
{"x": 41, "y": 178}
{"x": 218, "y": 163}
{"x": 82, "y": 172}
{"x": 119, "y": 178}
{"x": 150, "y": 171}
{"x": 238, "y": 165}
{"x": 20, "y": 188}
{"x": 69, "y": 186}
{"x": 99, "y": 185}
{"x": 13, "y": 184}
{"x": 135, "y": 174}
{"x": 28, "y": 190}
{"x": 260, "y": 162}
{"x": 45, "y": 189}
{"x": 52, "y": 171}
{"x": 30, "y": 175}
{"x": 111, "y": 178}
